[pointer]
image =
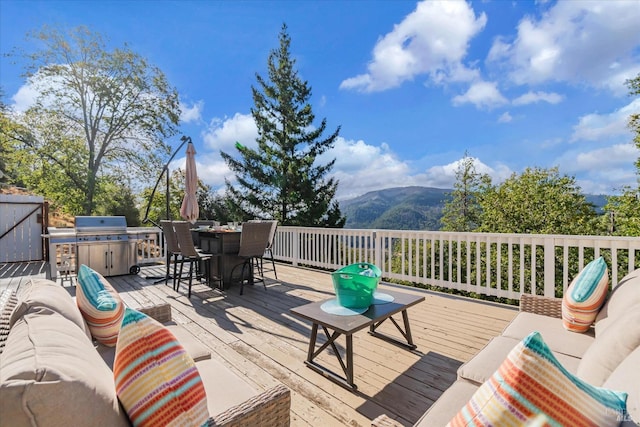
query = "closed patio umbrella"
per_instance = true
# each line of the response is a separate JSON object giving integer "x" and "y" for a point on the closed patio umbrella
{"x": 189, "y": 209}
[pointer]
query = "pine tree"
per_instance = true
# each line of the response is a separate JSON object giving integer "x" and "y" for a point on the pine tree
{"x": 462, "y": 211}
{"x": 280, "y": 179}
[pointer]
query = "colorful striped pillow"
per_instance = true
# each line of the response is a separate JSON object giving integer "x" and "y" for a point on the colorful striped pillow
{"x": 100, "y": 305}
{"x": 156, "y": 380}
{"x": 584, "y": 296}
{"x": 531, "y": 382}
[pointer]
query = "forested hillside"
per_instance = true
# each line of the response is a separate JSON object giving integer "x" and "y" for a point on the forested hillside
{"x": 408, "y": 208}
{"x": 403, "y": 208}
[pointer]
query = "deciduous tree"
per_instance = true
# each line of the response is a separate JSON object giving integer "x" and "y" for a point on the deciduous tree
{"x": 624, "y": 210}
{"x": 99, "y": 114}
{"x": 539, "y": 201}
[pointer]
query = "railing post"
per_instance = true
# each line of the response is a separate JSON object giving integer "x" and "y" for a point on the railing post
{"x": 549, "y": 267}
{"x": 377, "y": 255}
{"x": 296, "y": 246}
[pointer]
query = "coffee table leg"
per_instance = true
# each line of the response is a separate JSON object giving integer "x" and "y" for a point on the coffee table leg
{"x": 407, "y": 329}
{"x": 406, "y": 333}
{"x": 347, "y": 366}
{"x": 350, "y": 361}
{"x": 312, "y": 342}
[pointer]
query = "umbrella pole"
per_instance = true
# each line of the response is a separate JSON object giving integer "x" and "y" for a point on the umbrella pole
{"x": 165, "y": 170}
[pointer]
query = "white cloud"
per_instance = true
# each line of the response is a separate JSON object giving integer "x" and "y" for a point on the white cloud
{"x": 222, "y": 134}
{"x": 433, "y": 40}
{"x": 444, "y": 176}
{"x": 191, "y": 114}
{"x": 24, "y": 98}
{"x": 595, "y": 127}
{"x": 361, "y": 168}
{"x": 505, "y": 118}
{"x": 482, "y": 95}
{"x": 575, "y": 42}
{"x": 603, "y": 170}
{"x": 534, "y": 97}
{"x": 606, "y": 158}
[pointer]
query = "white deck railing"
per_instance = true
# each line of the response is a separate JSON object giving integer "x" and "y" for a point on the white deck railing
{"x": 501, "y": 265}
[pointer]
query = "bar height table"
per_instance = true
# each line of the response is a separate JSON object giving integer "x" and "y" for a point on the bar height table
{"x": 348, "y": 325}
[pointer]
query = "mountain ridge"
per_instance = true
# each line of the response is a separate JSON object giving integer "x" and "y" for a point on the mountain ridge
{"x": 409, "y": 208}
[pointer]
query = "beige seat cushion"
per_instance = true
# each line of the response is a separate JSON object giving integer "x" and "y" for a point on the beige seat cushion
{"x": 484, "y": 364}
{"x": 46, "y": 293}
{"x": 610, "y": 348}
{"x": 626, "y": 377}
{"x": 448, "y": 405}
{"x": 223, "y": 387}
{"x": 557, "y": 338}
{"x": 623, "y": 298}
{"x": 52, "y": 375}
{"x": 193, "y": 346}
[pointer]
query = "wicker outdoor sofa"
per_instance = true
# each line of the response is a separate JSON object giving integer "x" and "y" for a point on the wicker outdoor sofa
{"x": 606, "y": 356}
{"x": 54, "y": 374}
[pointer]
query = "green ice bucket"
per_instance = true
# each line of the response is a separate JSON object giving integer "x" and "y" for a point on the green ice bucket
{"x": 355, "y": 284}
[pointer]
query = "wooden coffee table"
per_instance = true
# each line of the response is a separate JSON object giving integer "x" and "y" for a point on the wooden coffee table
{"x": 348, "y": 325}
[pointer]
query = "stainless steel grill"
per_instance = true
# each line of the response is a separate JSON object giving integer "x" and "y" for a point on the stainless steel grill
{"x": 103, "y": 244}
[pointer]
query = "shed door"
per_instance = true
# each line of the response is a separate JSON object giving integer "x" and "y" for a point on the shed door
{"x": 21, "y": 228}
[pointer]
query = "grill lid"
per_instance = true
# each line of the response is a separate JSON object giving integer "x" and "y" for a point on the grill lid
{"x": 100, "y": 224}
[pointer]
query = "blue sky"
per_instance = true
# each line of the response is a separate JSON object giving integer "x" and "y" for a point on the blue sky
{"x": 413, "y": 85}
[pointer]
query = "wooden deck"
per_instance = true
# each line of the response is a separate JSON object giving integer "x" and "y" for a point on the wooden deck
{"x": 256, "y": 336}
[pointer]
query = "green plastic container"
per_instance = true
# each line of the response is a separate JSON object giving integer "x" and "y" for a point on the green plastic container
{"x": 355, "y": 284}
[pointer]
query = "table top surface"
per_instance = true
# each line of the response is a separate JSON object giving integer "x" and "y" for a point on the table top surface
{"x": 351, "y": 324}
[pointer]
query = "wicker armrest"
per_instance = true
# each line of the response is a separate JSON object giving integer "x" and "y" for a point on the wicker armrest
{"x": 269, "y": 408}
{"x": 8, "y": 301}
{"x": 385, "y": 421}
{"x": 160, "y": 312}
{"x": 541, "y": 305}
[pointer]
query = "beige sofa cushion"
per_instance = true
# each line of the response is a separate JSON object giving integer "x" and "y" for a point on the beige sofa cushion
{"x": 193, "y": 347}
{"x": 623, "y": 298}
{"x": 51, "y": 375}
{"x": 484, "y": 364}
{"x": 224, "y": 388}
{"x": 46, "y": 293}
{"x": 626, "y": 377}
{"x": 448, "y": 405}
{"x": 610, "y": 348}
{"x": 557, "y": 338}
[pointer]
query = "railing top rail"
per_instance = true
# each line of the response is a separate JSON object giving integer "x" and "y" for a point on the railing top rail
{"x": 464, "y": 233}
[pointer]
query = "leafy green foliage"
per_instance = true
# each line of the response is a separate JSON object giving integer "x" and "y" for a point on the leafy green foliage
{"x": 634, "y": 120}
{"x": 158, "y": 202}
{"x": 97, "y": 115}
{"x": 281, "y": 178}
{"x": 623, "y": 217}
{"x": 117, "y": 199}
{"x": 538, "y": 201}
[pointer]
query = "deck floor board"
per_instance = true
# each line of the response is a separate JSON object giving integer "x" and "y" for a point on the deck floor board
{"x": 256, "y": 336}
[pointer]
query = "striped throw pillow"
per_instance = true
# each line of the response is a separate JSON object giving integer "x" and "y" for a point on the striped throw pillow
{"x": 584, "y": 296}
{"x": 531, "y": 382}
{"x": 100, "y": 305}
{"x": 156, "y": 380}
